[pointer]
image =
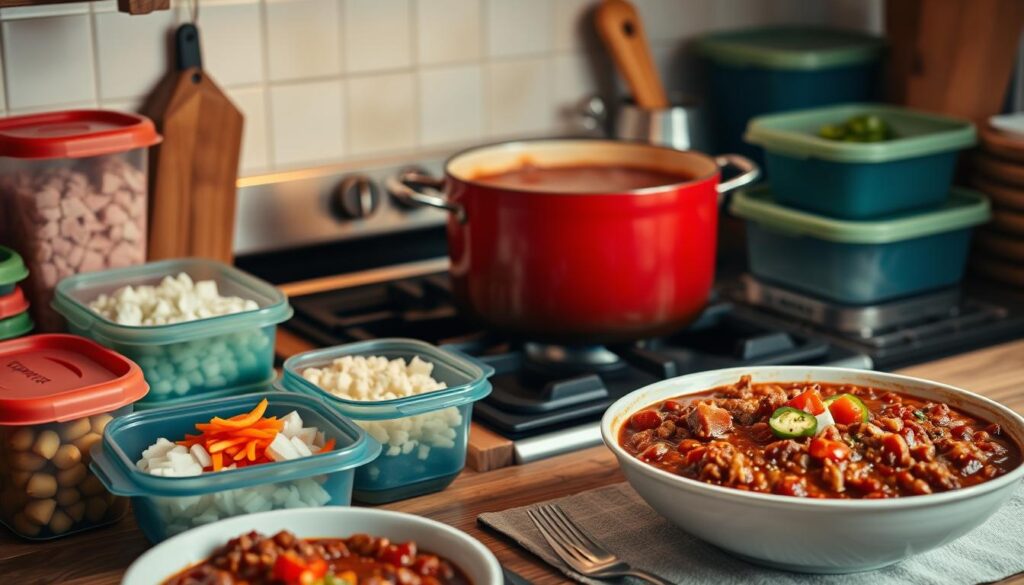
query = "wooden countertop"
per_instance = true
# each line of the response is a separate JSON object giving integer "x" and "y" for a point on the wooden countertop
{"x": 99, "y": 557}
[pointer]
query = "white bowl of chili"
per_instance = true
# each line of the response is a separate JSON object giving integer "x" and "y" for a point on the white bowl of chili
{"x": 713, "y": 494}
{"x": 172, "y": 556}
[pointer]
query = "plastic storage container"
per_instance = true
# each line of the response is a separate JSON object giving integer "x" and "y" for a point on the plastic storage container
{"x": 57, "y": 394}
{"x": 191, "y": 358}
{"x": 165, "y": 506}
{"x": 765, "y": 70}
{"x": 412, "y": 462}
{"x": 12, "y": 268}
{"x": 861, "y": 180}
{"x": 859, "y": 262}
{"x": 14, "y": 318}
{"x": 73, "y": 184}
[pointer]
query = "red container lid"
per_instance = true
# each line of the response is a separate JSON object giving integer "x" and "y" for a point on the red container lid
{"x": 13, "y": 304}
{"x": 75, "y": 134}
{"x": 57, "y": 378}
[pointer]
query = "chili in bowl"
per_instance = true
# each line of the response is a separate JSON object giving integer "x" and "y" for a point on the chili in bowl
{"x": 867, "y": 468}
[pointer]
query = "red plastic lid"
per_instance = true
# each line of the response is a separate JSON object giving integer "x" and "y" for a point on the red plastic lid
{"x": 75, "y": 134}
{"x": 13, "y": 304}
{"x": 56, "y": 378}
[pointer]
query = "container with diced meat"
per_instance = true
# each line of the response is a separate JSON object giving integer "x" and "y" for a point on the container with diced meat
{"x": 57, "y": 395}
{"x": 414, "y": 398}
{"x": 73, "y": 194}
{"x": 195, "y": 326}
{"x": 183, "y": 468}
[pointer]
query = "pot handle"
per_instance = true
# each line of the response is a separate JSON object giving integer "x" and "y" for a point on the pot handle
{"x": 407, "y": 187}
{"x": 749, "y": 171}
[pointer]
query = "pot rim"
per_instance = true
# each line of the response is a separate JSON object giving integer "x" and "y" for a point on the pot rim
{"x": 511, "y": 144}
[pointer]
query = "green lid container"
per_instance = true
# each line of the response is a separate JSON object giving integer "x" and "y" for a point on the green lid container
{"x": 16, "y": 326}
{"x": 962, "y": 209}
{"x": 915, "y": 134}
{"x": 12, "y": 269}
{"x": 791, "y": 48}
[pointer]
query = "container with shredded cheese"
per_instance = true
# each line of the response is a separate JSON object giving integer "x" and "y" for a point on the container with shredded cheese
{"x": 412, "y": 397}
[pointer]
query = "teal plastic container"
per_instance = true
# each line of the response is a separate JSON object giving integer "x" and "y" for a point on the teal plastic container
{"x": 165, "y": 506}
{"x": 258, "y": 388}
{"x": 861, "y": 180}
{"x": 859, "y": 262}
{"x": 776, "y": 69}
{"x": 12, "y": 270}
{"x": 414, "y": 461}
{"x": 187, "y": 359}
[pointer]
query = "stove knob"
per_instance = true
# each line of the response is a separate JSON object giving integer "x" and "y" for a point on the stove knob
{"x": 405, "y": 174}
{"x": 357, "y": 197}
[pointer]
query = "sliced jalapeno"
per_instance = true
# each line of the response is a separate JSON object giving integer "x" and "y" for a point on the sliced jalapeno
{"x": 791, "y": 423}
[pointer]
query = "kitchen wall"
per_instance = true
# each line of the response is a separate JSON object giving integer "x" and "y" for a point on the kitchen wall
{"x": 323, "y": 81}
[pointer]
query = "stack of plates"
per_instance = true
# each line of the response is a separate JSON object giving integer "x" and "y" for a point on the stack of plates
{"x": 997, "y": 169}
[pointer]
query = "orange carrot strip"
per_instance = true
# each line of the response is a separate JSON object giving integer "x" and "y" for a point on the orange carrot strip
{"x": 245, "y": 421}
{"x": 251, "y": 451}
{"x": 255, "y": 433}
{"x": 224, "y": 444}
{"x": 328, "y": 446}
{"x": 218, "y": 461}
{"x": 240, "y": 455}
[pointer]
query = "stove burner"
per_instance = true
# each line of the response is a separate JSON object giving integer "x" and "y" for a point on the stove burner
{"x": 553, "y": 360}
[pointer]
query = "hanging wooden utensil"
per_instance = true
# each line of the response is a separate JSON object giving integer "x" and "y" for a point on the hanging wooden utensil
{"x": 193, "y": 193}
{"x": 619, "y": 26}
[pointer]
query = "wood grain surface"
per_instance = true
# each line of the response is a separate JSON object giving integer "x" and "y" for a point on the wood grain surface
{"x": 100, "y": 557}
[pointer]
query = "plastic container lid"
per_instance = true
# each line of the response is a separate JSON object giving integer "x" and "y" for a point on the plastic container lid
{"x": 800, "y": 48}
{"x": 74, "y": 293}
{"x": 964, "y": 208}
{"x": 125, "y": 438}
{"x": 12, "y": 267}
{"x": 16, "y": 326}
{"x": 75, "y": 134}
{"x": 13, "y": 304}
{"x": 56, "y": 378}
{"x": 465, "y": 377}
{"x": 916, "y": 134}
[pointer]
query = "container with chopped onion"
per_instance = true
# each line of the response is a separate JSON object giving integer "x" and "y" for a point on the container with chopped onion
{"x": 412, "y": 397}
{"x": 192, "y": 465}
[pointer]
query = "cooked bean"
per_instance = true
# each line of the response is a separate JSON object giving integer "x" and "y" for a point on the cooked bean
{"x": 20, "y": 478}
{"x": 40, "y": 511}
{"x": 41, "y": 485}
{"x": 75, "y": 429}
{"x": 46, "y": 444}
{"x": 23, "y": 526}
{"x": 68, "y": 496}
{"x": 22, "y": 439}
{"x": 85, "y": 443}
{"x": 91, "y": 486}
{"x": 26, "y": 461}
{"x": 95, "y": 508}
{"x": 60, "y": 522}
{"x": 99, "y": 422}
{"x": 76, "y": 511}
{"x": 67, "y": 456}
{"x": 71, "y": 476}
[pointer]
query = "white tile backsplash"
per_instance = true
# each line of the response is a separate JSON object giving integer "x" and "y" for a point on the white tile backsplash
{"x": 303, "y": 39}
{"x": 518, "y": 27}
{"x": 519, "y": 97}
{"x": 381, "y": 113}
{"x": 231, "y": 38}
{"x": 322, "y": 81}
{"x": 377, "y": 35}
{"x": 60, "y": 46}
{"x": 308, "y": 122}
{"x": 448, "y": 31}
{"x": 451, "y": 105}
{"x": 132, "y": 52}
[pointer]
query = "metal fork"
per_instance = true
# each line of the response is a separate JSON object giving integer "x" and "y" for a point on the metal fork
{"x": 581, "y": 552}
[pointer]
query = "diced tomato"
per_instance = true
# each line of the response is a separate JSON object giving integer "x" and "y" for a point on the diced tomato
{"x": 645, "y": 420}
{"x": 826, "y": 449}
{"x": 400, "y": 555}
{"x": 671, "y": 406}
{"x": 687, "y": 445}
{"x": 292, "y": 570}
{"x": 427, "y": 565}
{"x": 809, "y": 401}
{"x": 694, "y": 455}
{"x": 845, "y": 411}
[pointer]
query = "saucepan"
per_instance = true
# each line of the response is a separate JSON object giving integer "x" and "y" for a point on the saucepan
{"x": 580, "y": 268}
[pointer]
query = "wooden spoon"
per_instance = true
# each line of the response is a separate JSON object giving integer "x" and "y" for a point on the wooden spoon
{"x": 619, "y": 26}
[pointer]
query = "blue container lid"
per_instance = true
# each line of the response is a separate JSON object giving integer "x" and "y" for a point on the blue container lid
{"x": 465, "y": 377}
{"x": 126, "y": 437}
{"x": 795, "y": 48}
{"x": 73, "y": 295}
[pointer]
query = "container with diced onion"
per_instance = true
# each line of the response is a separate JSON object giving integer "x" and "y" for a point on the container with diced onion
{"x": 57, "y": 395}
{"x": 424, "y": 434}
{"x": 150, "y": 457}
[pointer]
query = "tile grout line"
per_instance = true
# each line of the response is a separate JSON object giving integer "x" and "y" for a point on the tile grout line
{"x": 268, "y": 148}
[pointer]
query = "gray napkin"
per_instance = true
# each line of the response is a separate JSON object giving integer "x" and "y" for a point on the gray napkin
{"x": 617, "y": 518}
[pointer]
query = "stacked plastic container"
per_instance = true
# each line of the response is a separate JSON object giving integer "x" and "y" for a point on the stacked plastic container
{"x": 860, "y": 223}
{"x": 14, "y": 318}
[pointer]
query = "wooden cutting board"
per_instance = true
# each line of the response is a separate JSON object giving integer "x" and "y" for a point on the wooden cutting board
{"x": 194, "y": 171}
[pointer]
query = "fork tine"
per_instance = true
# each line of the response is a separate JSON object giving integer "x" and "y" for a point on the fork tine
{"x": 594, "y": 546}
{"x": 567, "y": 536}
{"x": 564, "y": 552}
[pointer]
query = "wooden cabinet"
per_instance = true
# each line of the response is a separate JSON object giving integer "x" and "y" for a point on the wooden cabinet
{"x": 129, "y": 6}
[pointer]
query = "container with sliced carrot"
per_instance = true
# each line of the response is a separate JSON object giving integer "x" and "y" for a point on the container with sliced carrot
{"x": 195, "y": 464}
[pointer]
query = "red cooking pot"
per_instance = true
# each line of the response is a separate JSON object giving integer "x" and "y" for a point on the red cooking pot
{"x": 580, "y": 268}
